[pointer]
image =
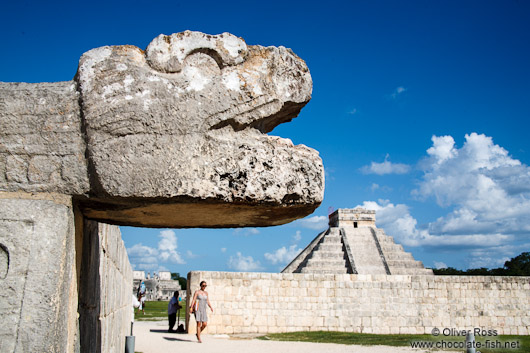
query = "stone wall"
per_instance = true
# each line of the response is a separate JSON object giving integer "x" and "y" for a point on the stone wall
{"x": 105, "y": 302}
{"x": 38, "y": 300}
{"x": 396, "y": 304}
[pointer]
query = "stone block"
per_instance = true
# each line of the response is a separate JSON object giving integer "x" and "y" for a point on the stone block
{"x": 38, "y": 236}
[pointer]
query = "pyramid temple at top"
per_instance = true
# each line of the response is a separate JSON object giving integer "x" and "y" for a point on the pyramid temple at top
{"x": 353, "y": 244}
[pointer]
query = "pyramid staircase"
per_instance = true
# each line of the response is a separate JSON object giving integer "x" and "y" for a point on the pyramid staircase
{"x": 347, "y": 248}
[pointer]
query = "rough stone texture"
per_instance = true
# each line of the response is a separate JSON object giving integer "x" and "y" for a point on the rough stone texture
{"x": 38, "y": 310}
{"x": 105, "y": 307}
{"x": 157, "y": 138}
{"x": 42, "y": 148}
{"x": 383, "y": 304}
{"x": 181, "y": 127}
{"x": 170, "y": 137}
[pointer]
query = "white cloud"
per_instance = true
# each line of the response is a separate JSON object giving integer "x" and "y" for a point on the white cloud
{"x": 489, "y": 190}
{"x": 297, "y": 236}
{"x": 385, "y": 167}
{"x": 167, "y": 247}
{"x": 243, "y": 263}
{"x": 246, "y": 231}
{"x": 143, "y": 257}
{"x": 439, "y": 265}
{"x": 314, "y": 222}
{"x": 191, "y": 255}
{"x": 397, "y": 221}
{"x": 442, "y": 149}
{"x": 495, "y": 256}
{"x": 353, "y": 111}
{"x": 399, "y": 90}
{"x": 283, "y": 255}
{"x": 383, "y": 188}
{"x": 487, "y": 193}
{"x": 223, "y": 249}
{"x": 147, "y": 258}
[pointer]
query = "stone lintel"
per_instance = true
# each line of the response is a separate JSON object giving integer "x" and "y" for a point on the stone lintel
{"x": 190, "y": 214}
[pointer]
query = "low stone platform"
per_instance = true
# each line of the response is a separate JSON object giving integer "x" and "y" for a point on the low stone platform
{"x": 381, "y": 304}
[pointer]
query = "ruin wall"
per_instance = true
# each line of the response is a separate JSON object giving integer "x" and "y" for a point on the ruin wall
{"x": 382, "y": 304}
{"x": 105, "y": 306}
{"x": 38, "y": 301}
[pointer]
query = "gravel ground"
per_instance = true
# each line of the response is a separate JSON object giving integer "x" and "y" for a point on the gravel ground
{"x": 152, "y": 337}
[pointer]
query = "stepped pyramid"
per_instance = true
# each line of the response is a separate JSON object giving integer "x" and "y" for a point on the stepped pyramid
{"x": 353, "y": 244}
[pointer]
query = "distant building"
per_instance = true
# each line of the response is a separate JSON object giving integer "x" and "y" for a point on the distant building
{"x": 158, "y": 286}
{"x": 353, "y": 244}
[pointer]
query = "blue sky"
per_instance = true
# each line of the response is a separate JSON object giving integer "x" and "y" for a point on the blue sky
{"x": 420, "y": 110}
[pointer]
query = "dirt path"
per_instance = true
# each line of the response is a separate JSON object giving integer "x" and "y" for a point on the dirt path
{"x": 152, "y": 337}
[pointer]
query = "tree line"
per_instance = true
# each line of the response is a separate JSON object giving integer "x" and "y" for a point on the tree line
{"x": 517, "y": 266}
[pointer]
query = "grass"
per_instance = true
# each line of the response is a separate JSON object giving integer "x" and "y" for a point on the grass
{"x": 404, "y": 340}
{"x": 157, "y": 310}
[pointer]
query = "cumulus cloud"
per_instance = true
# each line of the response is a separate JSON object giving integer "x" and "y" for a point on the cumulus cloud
{"x": 486, "y": 192}
{"x": 490, "y": 191}
{"x": 385, "y": 167}
{"x": 243, "y": 263}
{"x": 284, "y": 255}
{"x": 314, "y": 222}
{"x": 167, "y": 247}
{"x": 397, "y": 221}
{"x": 147, "y": 258}
{"x": 495, "y": 256}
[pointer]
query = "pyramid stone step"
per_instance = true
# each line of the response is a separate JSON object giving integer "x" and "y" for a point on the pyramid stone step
{"x": 406, "y": 264}
{"x": 398, "y": 256}
{"x": 328, "y": 247}
{"x": 392, "y": 247}
{"x": 331, "y": 240}
{"x": 327, "y": 255}
{"x": 327, "y": 263}
{"x": 323, "y": 272}
{"x": 353, "y": 237}
{"x": 385, "y": 238}
{"x": 411, "y": 271}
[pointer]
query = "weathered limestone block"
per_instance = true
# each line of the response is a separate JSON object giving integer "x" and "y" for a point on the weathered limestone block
{"x": 38, "y": 310}
{"x": 105, "y": 290}
{"x": 186, "y": 122}
{"x": 42, "y": 148}
{"x": 171, "y": 137}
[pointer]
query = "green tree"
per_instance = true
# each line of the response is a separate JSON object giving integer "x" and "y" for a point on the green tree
{"x": 182, "y": 281}
{"x": 519, "y": 265}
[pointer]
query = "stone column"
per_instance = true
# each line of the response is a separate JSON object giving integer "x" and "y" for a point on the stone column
{"x": 38, "y": 300}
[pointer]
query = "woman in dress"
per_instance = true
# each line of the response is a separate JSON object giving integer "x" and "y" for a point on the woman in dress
{"x": 198, "y": 306}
